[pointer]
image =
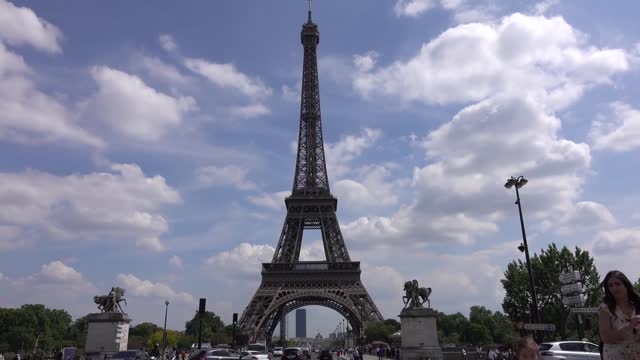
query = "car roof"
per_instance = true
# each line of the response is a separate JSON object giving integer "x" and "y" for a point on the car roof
{"x": 568, "y": 341}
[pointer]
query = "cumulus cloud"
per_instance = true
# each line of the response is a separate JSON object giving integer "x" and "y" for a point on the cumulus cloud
{"x": 21, "y": 26}
{"x": 621, "y": 133}
{"x": 64, "y": 207}
{"x": 616, "y": 240}
{"x": 460, "y": 190}
{"x": 413, "y": 7}
{"x": 29, "y": 115}
{"x": 43, "y": 287}
{"x": 227, "y": 76}
{"x": 240, "y": 263}
{"x": 341, "y": 153}
{"x": 161, "y": 70}
{"x": 230, "y": 175}
{"x": 474, "y": 61}
{"x": 132, "y": 108}
{"x": 139, "y": 287}
{"x": 274, "y": 201}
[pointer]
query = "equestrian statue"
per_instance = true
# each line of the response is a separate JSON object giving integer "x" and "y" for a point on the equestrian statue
{"x": 111, "y": 302}
{"x": 415, "y": 296}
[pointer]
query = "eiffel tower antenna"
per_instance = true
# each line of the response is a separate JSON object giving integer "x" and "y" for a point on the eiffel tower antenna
{"x": 288, "y": 283}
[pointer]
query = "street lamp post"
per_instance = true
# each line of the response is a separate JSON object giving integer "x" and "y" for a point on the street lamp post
{"x": 519, "y": 182}
{"x": 344, "y": 336}
{"x": 164, "y": 332}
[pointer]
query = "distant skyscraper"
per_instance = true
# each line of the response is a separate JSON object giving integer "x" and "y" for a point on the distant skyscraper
{"x": 283, "y": 329}
{"x": 301, "y": 323}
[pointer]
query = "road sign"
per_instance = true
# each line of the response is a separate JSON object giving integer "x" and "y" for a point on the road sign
{"x": 571, "y": 288}
{"x": 542, "y": 327}
{"x": 570, "y": 277}
{"x": 573, "y": 300}
{"x": 584, "y": 310}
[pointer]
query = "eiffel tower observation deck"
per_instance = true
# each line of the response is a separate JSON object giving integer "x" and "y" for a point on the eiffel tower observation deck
{"x": 288, "y": 283}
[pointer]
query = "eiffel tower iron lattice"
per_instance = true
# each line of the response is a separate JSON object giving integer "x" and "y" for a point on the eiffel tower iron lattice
{"x": 287, "y": 283}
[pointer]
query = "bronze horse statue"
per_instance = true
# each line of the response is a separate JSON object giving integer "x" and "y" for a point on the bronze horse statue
{"x": 415, "y": 296}
{"x": 111, "y": 302}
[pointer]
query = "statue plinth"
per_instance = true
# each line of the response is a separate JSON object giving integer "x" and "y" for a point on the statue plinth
{"x": 107, "y": 333}
{"x": 419, "y": 334}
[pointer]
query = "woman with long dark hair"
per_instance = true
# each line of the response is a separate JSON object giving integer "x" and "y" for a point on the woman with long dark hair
{"x": 619, "y": 318}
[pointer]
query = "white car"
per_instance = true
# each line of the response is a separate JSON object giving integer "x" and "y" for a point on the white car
{"x": 569, "y": 350}
{"x": 277, "y": 351}
{"x": 254, "y": 355}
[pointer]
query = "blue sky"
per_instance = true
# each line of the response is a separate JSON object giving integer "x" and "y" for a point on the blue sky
{"x": 151, "y": 147}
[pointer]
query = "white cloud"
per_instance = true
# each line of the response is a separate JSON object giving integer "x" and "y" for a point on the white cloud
{"x": 161, "y": 70}
{"x": 338, "y": 155}
{"x": 249, "y": 111}
{"x": 44, "y": 287}
{"x": 230, "y": 175}
{"x": 622, "y": 133}
{"x": 176, "y": 261}
{"x": 20, "y": 25}
{"x": 370, "y": 188}
{"x": 167, "y": 42}
{"x": 240, "y": 263}
{"x": 460, "y": 191}
{"x": 30, "y": 116}
{"x": 58, "y": 271}
{"x": 132, "y": 108}
{"x": 64, "y": 207}
{"x": 139, "y": 287}
{"x": 586, "y": 216}
{"x": 228, "y": 77}
{"x": 543, "y": 6}
{"x": 474, "y": 61}
{"x": 413, "y": 7}
{"x": 616, "y": 240}
{"x": 273, "y": 201}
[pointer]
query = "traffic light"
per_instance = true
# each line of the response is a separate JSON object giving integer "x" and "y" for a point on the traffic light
{"x": 235, "y": 319}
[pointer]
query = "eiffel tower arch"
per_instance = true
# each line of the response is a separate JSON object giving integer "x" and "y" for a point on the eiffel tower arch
{"x": 288, "y": 283}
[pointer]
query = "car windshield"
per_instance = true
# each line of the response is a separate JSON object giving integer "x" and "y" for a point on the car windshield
{"x": 544, "y": 347}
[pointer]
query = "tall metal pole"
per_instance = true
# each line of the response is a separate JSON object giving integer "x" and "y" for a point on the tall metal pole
{"x": 164, "y": 332}
{"x": 534, "y": 299}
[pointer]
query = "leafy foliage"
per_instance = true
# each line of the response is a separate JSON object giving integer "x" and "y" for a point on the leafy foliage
{"x": 213, "y": 329}
{"x": 546, "y": 269}
{"x": 22, "y": 326}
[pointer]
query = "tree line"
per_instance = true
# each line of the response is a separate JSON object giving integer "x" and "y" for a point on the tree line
{"x": 35, "y": 328}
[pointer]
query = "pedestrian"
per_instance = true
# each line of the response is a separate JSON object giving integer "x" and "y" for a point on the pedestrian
{"x": 526, "y": 349}
{"x": 464, "y": 354}
{"x": 380, "y": 352}
{"x": 619, "y": 318}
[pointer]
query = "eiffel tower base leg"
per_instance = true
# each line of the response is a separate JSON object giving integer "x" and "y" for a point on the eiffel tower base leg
{"x": 286, "y": 287}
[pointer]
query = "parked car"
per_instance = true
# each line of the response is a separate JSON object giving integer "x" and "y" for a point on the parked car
{"x": 569, "y": 350}
{"x": 198, "y": 354}
{"x": 255, "y": 355}
{"x": 325, "y": 355}
{"x": 277, "y": 351}
{"x": 129, "y": 355}
{"x": 306, "y": 352}
{"x": 292, "y": 353}
{"x": 222, "y": 354}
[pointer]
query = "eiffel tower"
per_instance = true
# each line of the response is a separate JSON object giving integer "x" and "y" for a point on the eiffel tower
{"x": 287, "y": 282}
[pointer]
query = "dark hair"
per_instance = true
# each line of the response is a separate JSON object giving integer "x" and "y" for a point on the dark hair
{"x": 610, "y": 301}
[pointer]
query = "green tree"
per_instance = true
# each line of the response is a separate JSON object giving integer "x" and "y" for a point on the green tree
{"x": 546, "y": 269}
{"x": 213, "y": 329}
{"x": 77, "y": 334}
{"x": 380, "y": 331}
{"x": 22, "y": 326}
{"x": 173, "y": 337}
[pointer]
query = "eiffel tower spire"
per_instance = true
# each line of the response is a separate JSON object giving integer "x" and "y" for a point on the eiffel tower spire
{"x": 311, "y": 170}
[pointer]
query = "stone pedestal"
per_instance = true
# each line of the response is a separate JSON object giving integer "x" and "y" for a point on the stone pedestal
{"x": 107, "y": 333}
{"x": 419, "y": 335}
